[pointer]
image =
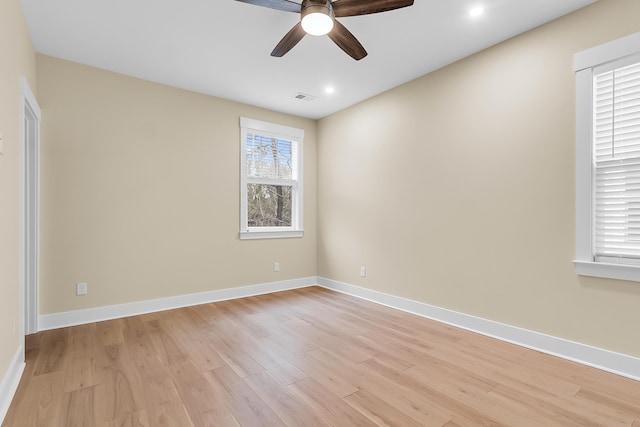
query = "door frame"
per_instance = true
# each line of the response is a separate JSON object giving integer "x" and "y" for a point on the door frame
{"x": 30, "y": 117}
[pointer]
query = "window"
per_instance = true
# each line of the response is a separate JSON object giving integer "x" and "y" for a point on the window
{"x": 608, "y": 160}
{"x": 271, "y": 180}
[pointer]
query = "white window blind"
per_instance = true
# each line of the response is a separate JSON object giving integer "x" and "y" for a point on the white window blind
{"x": 616, "y": 143}
{"x": 271, "y": 157}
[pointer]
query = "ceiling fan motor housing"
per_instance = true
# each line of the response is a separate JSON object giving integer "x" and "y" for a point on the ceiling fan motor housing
{"x": 317, "y": 6}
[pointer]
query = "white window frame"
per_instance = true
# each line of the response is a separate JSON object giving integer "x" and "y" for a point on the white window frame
{"x": 294, "y": 135}
{"x": 584, "y": 64}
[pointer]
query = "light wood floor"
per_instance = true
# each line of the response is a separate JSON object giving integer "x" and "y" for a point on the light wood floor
{"x": 309, "y": 357}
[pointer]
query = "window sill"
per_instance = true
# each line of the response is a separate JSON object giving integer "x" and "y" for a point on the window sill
{"x": 608, "y": 271}
{"x": 253, "y": 235}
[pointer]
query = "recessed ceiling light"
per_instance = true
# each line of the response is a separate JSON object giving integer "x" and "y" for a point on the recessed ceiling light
{"x": 476, "y": 11}
{"x": 329, "y": 90}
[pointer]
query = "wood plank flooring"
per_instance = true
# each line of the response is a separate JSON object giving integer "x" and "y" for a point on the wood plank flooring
{"x": 308, "y": 357}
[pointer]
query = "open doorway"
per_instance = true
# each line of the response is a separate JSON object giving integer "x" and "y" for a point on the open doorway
{"x": 30, "y": 209}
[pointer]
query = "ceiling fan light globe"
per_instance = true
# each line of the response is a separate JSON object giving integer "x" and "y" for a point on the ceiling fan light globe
{"x": 317, "y": 24}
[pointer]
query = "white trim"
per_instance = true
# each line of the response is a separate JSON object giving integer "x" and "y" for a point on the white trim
{"x": 584, "y": 64}
{"x": 608, "y": 271}
{"x": 25, "y": 90}
{"x": 285, "y": 131}
{"x": 281, "y": 234}
{"x": 98, "y": 314}
{"x": 606, "y": 52}
{"x": 584, "y": 176}
{"x": 10, "y": 382}
{"x": 294, "y": 135}
{"x": 29, "y": 280}
{"x": 617, "y": 363}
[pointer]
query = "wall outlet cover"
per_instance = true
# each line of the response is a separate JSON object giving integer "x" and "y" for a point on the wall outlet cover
{"x": 81, "y": 288}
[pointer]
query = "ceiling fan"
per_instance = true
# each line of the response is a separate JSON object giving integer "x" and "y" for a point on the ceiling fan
{"x": 317, "y": 17}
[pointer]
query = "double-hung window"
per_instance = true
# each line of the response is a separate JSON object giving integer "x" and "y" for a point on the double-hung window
{"x": 608, "y": 160}
{"x": 271, "y": 180}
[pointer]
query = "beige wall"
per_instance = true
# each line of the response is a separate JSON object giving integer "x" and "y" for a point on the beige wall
{"x": 457, "y": 189}
{"x": 18, "y": 59}
{"x": 140, "y": 192}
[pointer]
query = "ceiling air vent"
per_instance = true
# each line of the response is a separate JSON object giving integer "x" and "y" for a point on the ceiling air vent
{"x": 304, "y": 96}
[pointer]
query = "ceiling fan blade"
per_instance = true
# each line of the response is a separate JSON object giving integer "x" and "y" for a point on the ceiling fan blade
{"x": 347, "y": 41}
{"x": 343, "y": 8}
{"x": 286, "y": 5}
{"x": 289, "y": 41}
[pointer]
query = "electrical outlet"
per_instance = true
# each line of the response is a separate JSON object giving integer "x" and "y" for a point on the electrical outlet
{"x": 81, "y": 288}
{"x": 363, "y": 272}
{"x": 276, "y": 266}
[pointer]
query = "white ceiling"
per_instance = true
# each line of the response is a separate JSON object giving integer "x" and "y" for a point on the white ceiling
{"x": 222, "y": 47}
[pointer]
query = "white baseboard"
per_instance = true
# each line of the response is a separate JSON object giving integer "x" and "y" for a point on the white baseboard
{"x": 610, "y": 361}
{"x": 98, "y": 314}
{"x": 10, "y": 382}
{"x": 617, "y": 363}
